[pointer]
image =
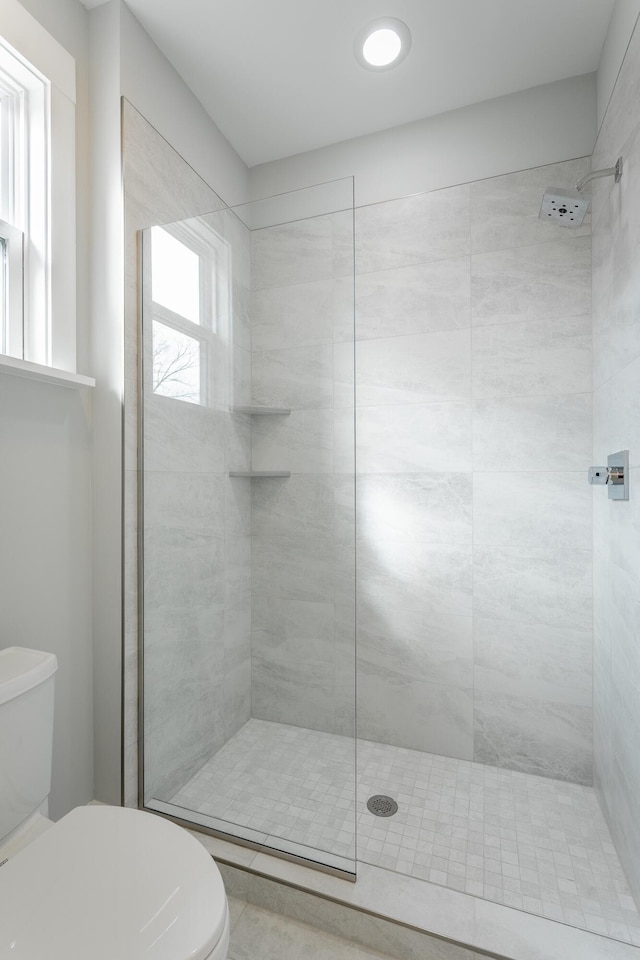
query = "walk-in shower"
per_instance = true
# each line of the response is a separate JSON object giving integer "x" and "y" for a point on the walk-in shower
{"x": 435, "y": 454}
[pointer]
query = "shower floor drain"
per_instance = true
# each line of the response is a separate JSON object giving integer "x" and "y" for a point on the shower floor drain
{"x": 382, "y": 806}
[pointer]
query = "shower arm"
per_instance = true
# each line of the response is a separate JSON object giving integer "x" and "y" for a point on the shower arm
{"x": 607, "y": 172}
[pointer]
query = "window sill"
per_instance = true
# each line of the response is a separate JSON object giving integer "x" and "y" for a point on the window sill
{"x": 37, "y": 371}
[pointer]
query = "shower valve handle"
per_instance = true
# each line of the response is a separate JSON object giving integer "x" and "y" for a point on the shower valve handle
{"x": 602, "y": 475}
{"x": 598, "y": 475}
{"x": 615, "y": 476}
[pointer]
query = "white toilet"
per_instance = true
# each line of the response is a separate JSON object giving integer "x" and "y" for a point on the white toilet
{"x": 104, "y": 883}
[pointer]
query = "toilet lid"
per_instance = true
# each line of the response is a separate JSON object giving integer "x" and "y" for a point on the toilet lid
{"x": 108, "y": 883}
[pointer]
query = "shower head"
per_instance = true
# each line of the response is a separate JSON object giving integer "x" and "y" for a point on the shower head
{"x": 565, "y": 207}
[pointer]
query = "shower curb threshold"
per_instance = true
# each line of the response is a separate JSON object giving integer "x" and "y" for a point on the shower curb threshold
{"x": 397, "y": 909}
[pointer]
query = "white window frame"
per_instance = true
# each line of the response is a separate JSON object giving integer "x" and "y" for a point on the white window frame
{"x": 214, "y": 255}
{"x": 12, "y": 309}
{"x": 42, "y": 73}
{"x": 25, "y": 205}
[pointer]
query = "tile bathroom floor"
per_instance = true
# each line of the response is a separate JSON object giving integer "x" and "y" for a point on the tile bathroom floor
{"x": 525, "y": 841}
{"x": 258, "y": 934}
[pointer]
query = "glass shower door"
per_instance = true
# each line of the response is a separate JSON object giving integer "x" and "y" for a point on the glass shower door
{"x": 247, "y": 494}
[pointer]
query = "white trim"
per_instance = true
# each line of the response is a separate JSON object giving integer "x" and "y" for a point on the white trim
{"x": 14, "y": 290}
{"x": 33, "y": 44}
{"x": 37, "y": 371}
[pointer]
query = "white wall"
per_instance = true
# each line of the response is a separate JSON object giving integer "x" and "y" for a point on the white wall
{"x": 159, "y": 94}
{"x": 547, "y": 124}
{"x": 107, "y": 365}
{"x": 45, "y": 438}
{"x": 623, "y": 20}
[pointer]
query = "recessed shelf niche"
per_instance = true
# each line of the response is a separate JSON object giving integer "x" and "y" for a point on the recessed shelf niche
{"x": 258, "y": 411}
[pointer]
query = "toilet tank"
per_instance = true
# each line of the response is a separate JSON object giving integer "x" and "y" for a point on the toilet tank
{"x": 26, "y": 733}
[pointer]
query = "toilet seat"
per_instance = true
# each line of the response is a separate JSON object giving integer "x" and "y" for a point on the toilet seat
{"x": 109, "y": 883}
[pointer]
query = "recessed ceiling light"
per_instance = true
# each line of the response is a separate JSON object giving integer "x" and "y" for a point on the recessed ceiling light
{"x": 382, "y": 44}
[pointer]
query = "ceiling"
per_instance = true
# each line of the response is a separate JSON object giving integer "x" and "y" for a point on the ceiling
{"x": 279, "y": 76}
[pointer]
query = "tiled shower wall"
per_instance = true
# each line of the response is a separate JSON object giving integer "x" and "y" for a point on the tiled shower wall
{"x": 616, "y": 328}
{"x": 473, "y": 435}
{"x": 197, "y": 545}
{"x": 197, "y": 550}
{"x": 474, "y": 518}
{"x": 473, "y": 391}
{"x": 303, "y": 653}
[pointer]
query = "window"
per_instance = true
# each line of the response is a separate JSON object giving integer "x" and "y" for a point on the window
{"x": 37, "y": 199}
{"x": 24, "y": 204}
{"x": 11, "y": 290}
{"x": 190, "y": 269}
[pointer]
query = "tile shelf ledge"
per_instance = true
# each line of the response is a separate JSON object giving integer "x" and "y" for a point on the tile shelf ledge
{"x": 38, "y": 371}
{"x": 256, "y": 474}
{"x": 258, "y": 411}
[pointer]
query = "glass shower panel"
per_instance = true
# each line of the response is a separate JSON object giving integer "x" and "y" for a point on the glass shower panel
{"x": 247, "y": 492}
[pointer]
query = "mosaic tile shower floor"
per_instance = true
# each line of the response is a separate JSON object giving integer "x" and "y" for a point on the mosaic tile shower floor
{"x": 527, "y": 842}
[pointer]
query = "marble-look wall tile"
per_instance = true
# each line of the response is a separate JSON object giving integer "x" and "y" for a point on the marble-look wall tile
{"x": 504, "y": 210}
{"x": 298, "y": 315}
{"x": 534, "y": 736}
{"x": 344, "y": 440}
{"x": 238, "y": 379}
{"x": 237, "y": 442}
{"x": 415, "y": 643}
{"x": 420, "y": 715}
{"x": 296, "y": 568}
{"x": 425, "y": 368}
{"x": 237, "y": 572}
{"x": 621, "y": 802}
{"x": 343, "y": 309}
{"x": 163, "y": 187}
{"x": 537, "y": 661}
{"x": 616, "y": 328}
{"x": 533, "y": 585}
{"x": 422, "y": 298}
{"x": 344, "y": 514}
{"x": 617, "y": 531}
{"x": 542, "y": 281}
{"x": 413, "y": 438}
{"x": 344, "y": 374}
{"x": 537, "y": 357}
{"x": 426, "y": 227}
{"x": 302, "y": 303}
{"x": 240, "y": 333}
{"x": 290, "y": 253}
{"x": 300, "y": 505}
{"x": 433, "y": 578}
{"x": 182, "y": 433}
{"x": 192, "y": 503}
{"x": 293, "y": 662}
{"x": 616, "y": 424}
{"x": 174, "y": 756}
{"x": 182, "y": 569}
{"x": 550, "y": 510}
{"x": 427, "y": 507}
{"x": 621, "y": 118}
{"x": 184, "y": 655}
{"x": 297, "y": 377}
{"x": 237, "y": 508}
{"x": 342, "y": 224}
{"x": 302, "y": 442}
{"x": 532, "y": 433}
